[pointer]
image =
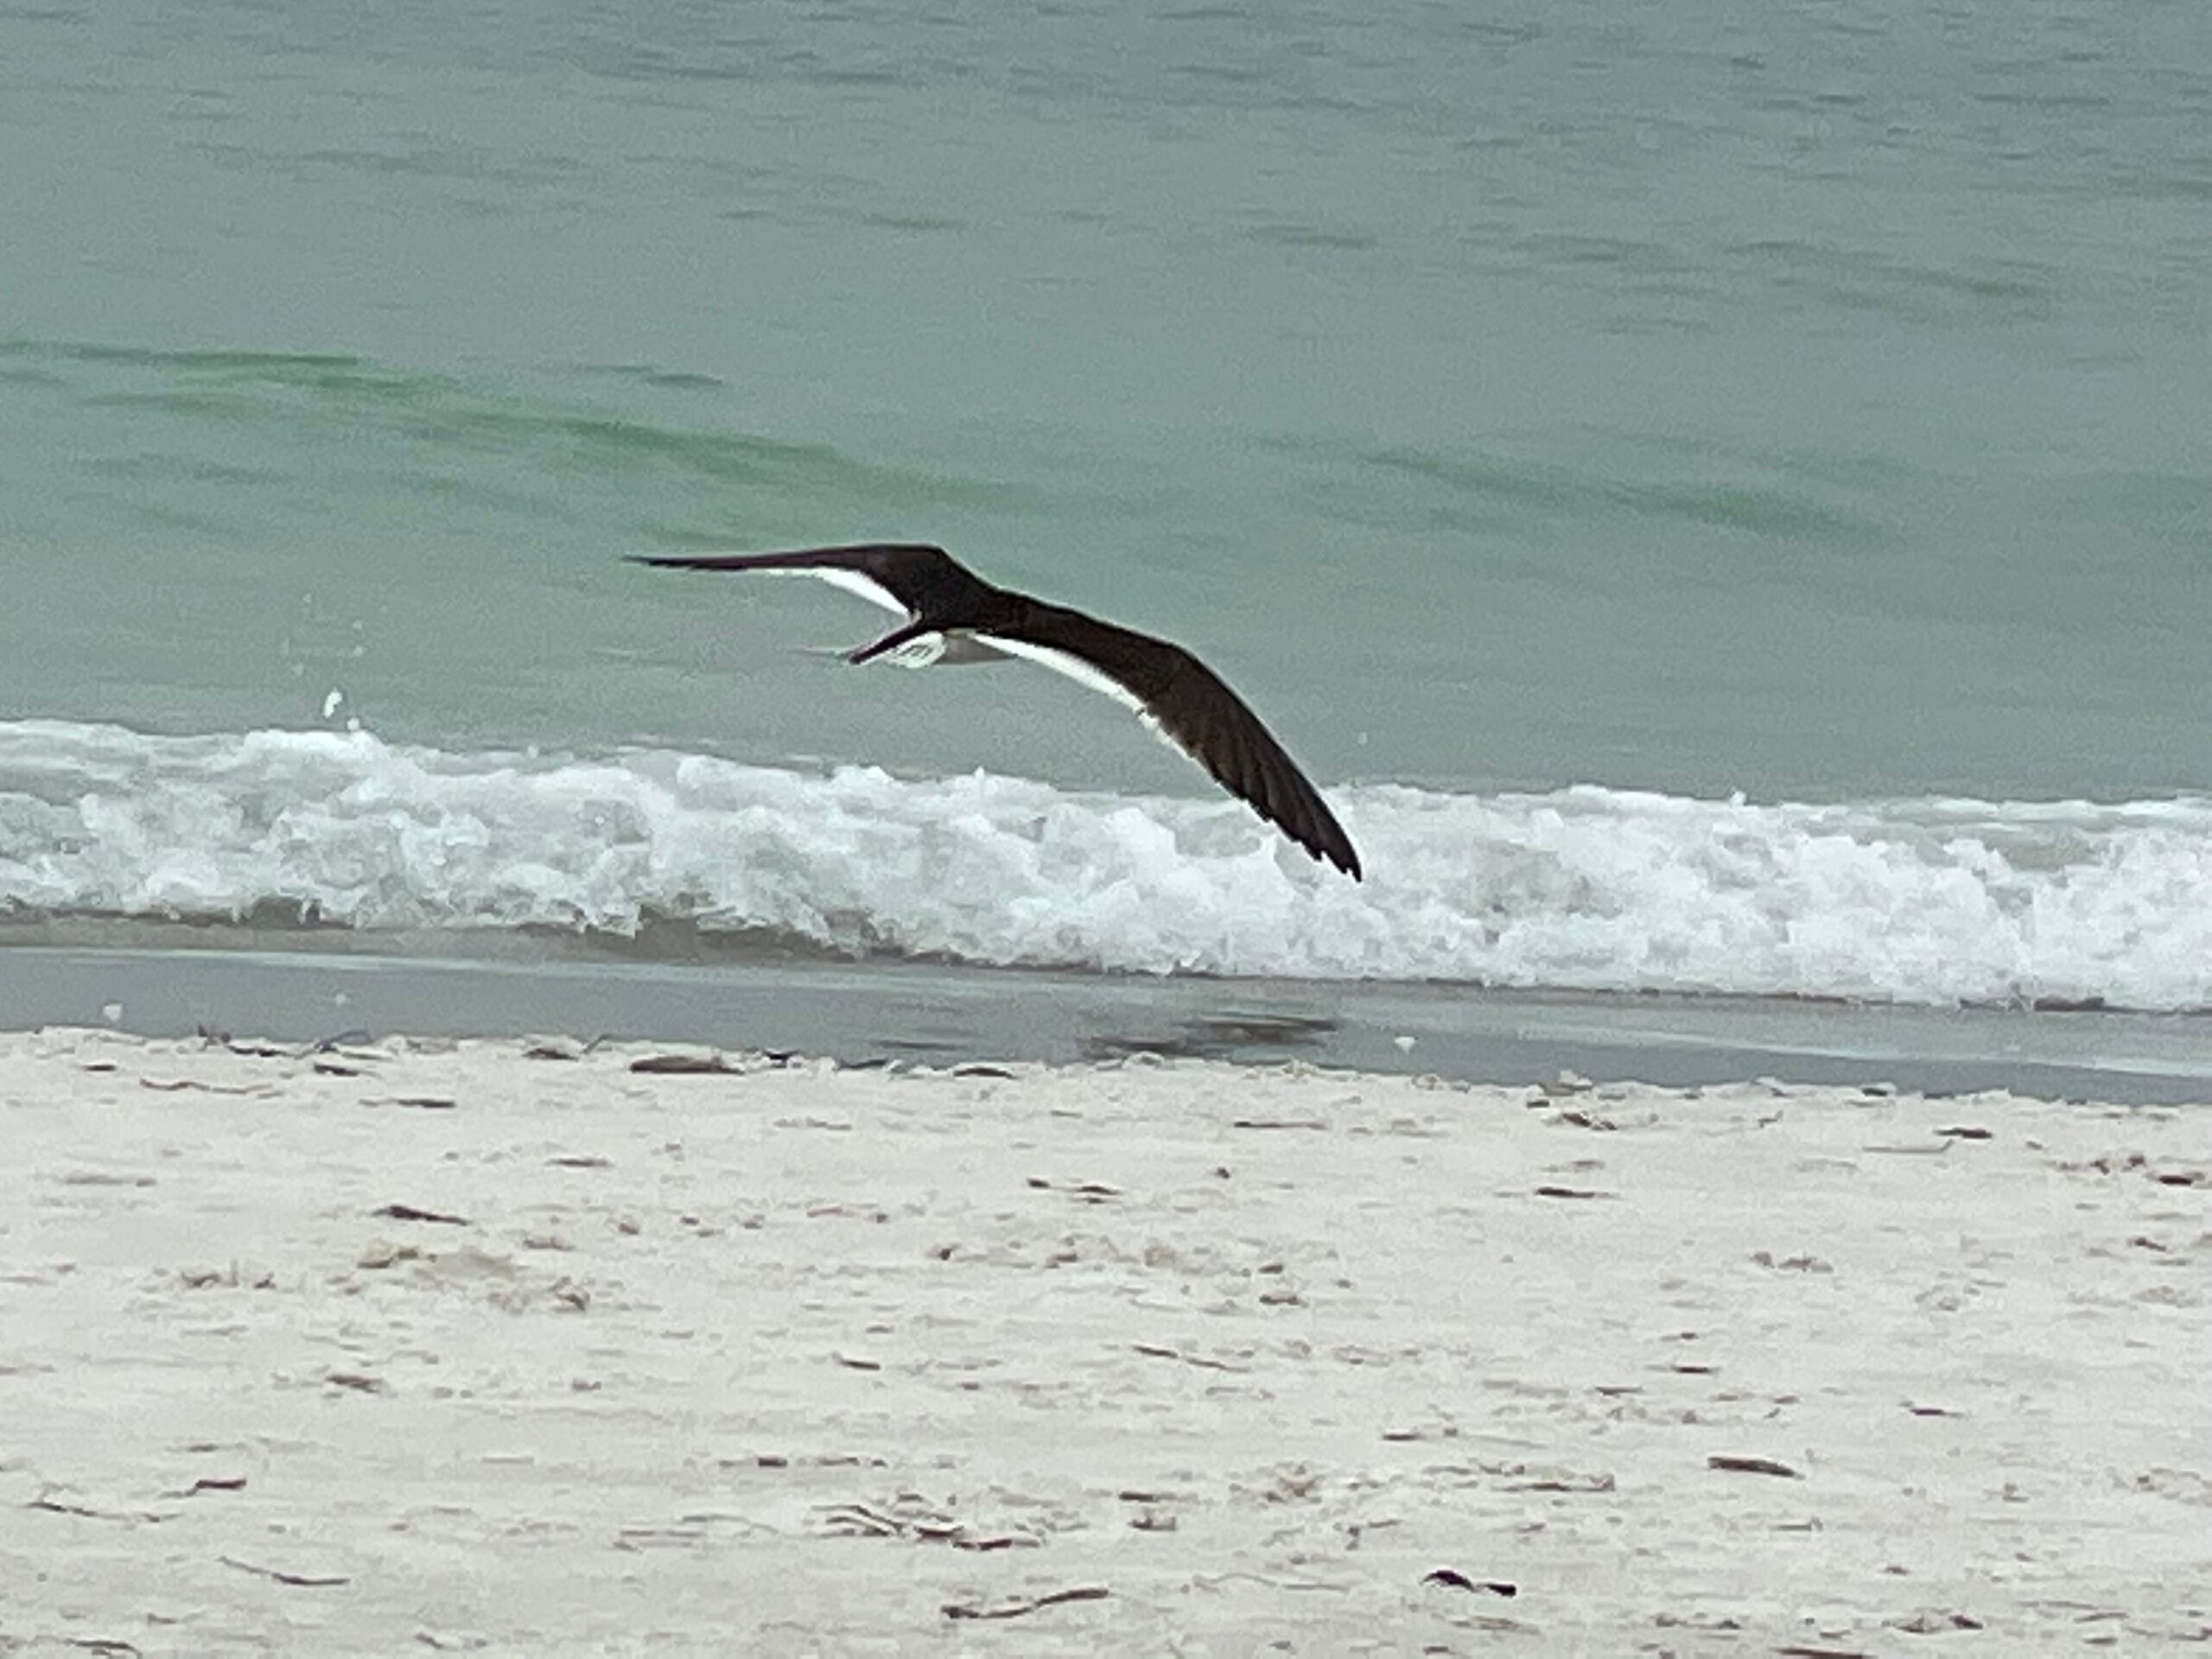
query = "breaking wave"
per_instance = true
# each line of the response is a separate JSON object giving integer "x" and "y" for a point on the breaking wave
{"x": 1932, "y": 900}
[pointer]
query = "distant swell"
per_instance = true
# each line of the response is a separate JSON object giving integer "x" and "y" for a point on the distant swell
{"x": 1935, "y": 901}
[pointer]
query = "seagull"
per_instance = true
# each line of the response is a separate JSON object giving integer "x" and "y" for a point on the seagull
{"x": 954, "y": 616}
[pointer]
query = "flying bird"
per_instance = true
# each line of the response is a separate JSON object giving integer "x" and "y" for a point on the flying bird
{"x": 954, "y": 616}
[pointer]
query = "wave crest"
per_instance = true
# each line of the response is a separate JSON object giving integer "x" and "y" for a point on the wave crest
{"x": 1938, "y": 901}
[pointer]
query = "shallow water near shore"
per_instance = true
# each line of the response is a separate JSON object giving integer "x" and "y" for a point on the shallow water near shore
{"x": 937, "y": 1015}
{"x": 1722, "y": 509}
{"x": 664, "y": 855}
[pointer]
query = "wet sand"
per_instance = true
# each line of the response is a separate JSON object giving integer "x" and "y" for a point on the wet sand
{"x": 418, "y": 1346}
{"x": 166, "y": 980}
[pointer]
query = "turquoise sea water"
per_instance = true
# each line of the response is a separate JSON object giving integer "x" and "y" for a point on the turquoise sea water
{"x": 1723, "y": 502}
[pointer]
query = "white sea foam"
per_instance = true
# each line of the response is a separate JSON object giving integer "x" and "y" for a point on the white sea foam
{"x": 1929, "y": 900}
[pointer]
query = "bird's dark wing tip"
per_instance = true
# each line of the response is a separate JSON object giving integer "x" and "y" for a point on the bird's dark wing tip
{"x": 1326, "y": 844}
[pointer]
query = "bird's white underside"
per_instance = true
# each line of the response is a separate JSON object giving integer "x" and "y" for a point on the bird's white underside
{"x": 851, "y": 580}
{"x": 1073, "y": 668}
{"x": 978, "y": 647}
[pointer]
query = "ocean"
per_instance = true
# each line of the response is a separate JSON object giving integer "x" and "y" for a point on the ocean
{"x": 1721, "y": 502}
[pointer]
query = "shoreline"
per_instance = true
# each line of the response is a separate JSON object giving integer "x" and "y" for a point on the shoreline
{"x": 944, "y": 1014}
{"x": 415, "y": 1342}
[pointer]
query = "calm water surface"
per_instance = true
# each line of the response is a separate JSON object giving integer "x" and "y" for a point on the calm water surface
{"x": 1559, "y": 423}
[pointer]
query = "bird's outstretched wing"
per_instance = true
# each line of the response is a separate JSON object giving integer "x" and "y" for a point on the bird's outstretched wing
{"x": 1175, "y": 693}
{"x": 908, "y": 576}
{"x": 1191, "y": 706}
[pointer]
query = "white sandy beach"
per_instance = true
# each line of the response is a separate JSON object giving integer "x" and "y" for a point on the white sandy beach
{"x": 422, "y": 1348}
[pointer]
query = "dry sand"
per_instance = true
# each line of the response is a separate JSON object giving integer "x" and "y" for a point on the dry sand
{"x": 411, "y": 1348}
